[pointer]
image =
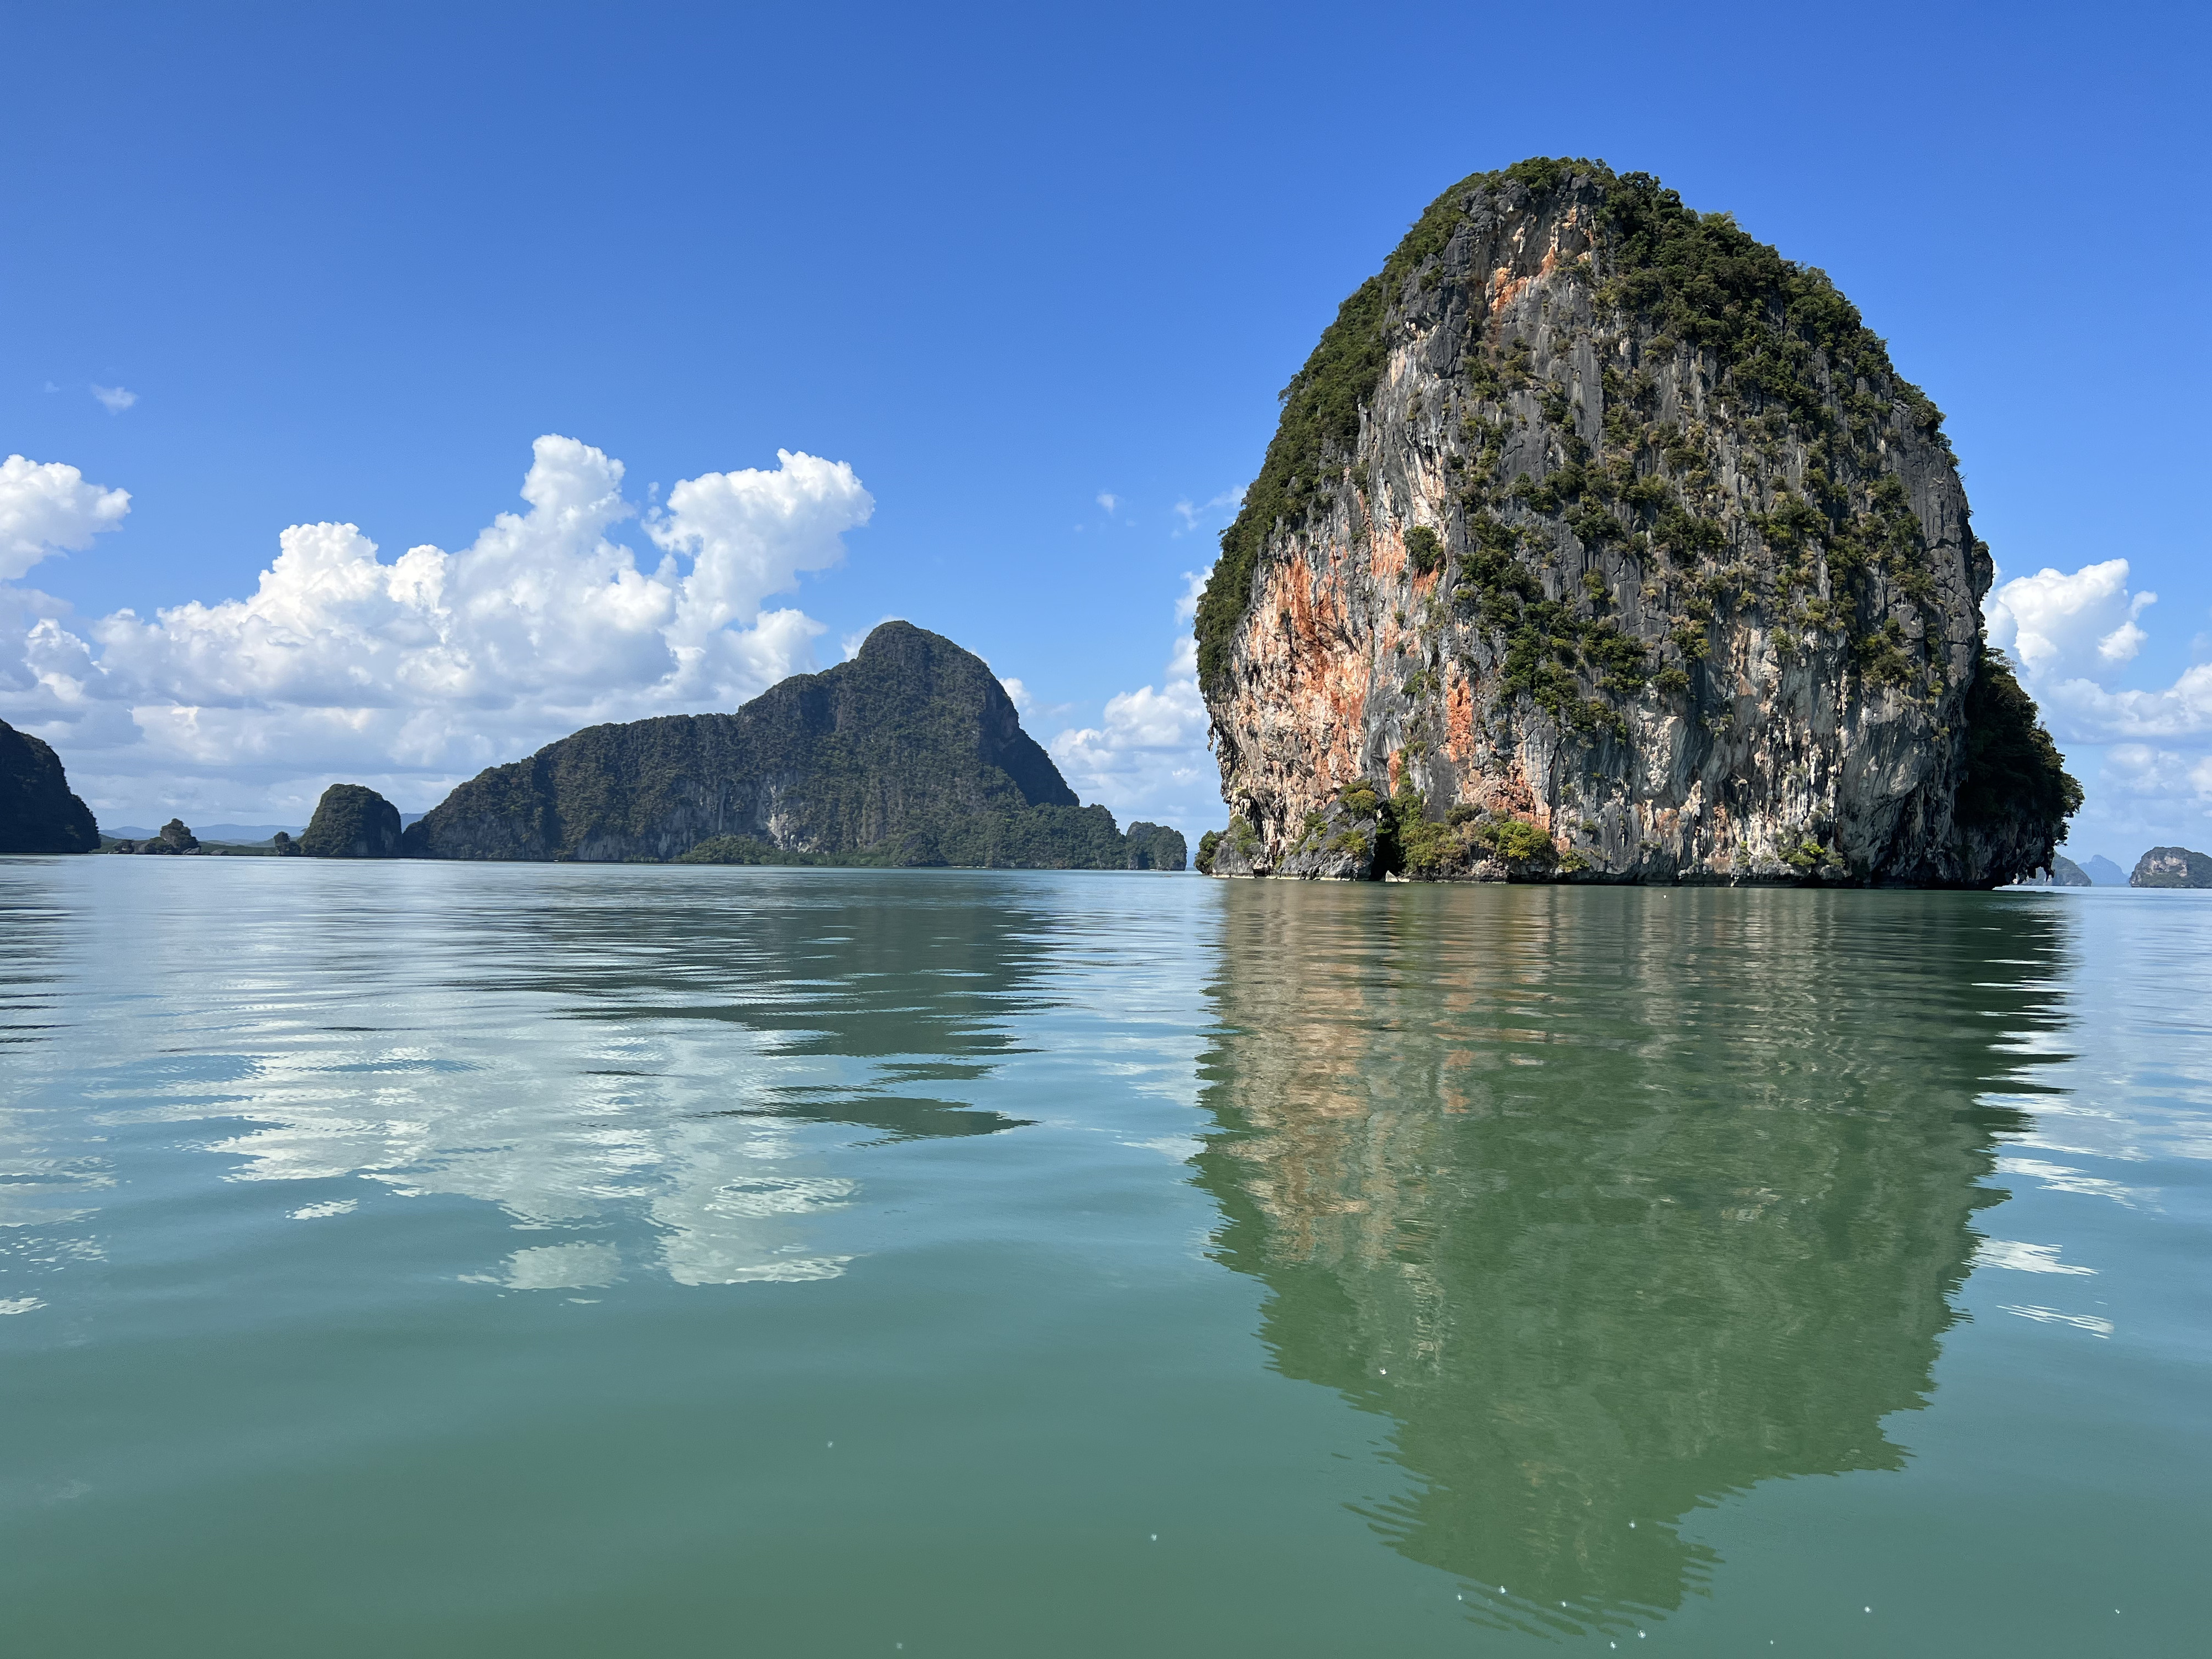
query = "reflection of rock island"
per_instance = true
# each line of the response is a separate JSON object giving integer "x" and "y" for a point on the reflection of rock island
{"x": 1613, "y": 1206}
{"x": 649, "y": 1053}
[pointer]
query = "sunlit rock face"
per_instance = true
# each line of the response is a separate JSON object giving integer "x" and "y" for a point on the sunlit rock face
{"x": 1596, "y": 516}
{"x": 1612, "y": 1203}
{"x": 2171, "y": 866}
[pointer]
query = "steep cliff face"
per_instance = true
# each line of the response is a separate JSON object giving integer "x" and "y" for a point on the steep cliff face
{"x": 1598, "y": 541}
{"x": 910, "y": 754}
{"x": 37, "y": 813}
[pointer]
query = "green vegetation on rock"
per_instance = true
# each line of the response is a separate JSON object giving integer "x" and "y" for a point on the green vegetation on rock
{"x": 910, "y": 754}
{"x": 1311, "y": 454}
{"x": 2014, "y": 769}
{"x": 352, "y": 821}
{"x": 1157, "y": 847}
{"x": 1679, "y": 501}
{"x": 2171, "y": 866}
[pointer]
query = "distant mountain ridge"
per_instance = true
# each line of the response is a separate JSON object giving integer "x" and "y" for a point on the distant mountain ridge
{"x": 910, "y": 754}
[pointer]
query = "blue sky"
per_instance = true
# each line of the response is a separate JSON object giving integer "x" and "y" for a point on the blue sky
{"x": 1033, "y": 276}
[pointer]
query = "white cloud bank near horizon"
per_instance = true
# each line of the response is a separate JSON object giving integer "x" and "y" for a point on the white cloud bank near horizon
{"x": 2145, "y": 756}
{"x": 1149, "y": 758}
{"x": 413, "y": 674}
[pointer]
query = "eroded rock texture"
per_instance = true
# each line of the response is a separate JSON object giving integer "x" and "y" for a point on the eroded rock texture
{"x": 1597, "y": 521}
{"x": 2171, "y": 866}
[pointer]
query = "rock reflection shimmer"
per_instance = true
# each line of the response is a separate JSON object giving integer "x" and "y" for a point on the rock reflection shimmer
{"x": 1613, "y": 1201}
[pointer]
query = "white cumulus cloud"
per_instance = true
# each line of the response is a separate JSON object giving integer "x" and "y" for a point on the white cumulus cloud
{"x": 2141, "y": 752}
{"x": 2072, "y": 634}
{"x": 1148, "y": 756}
{"x": 2061, "y": 627}
{"x": 48, "y": 508}
{"x": 114, "y": 398}
{"x": 1208, "y": 512}
{"x": 412, "y": 673}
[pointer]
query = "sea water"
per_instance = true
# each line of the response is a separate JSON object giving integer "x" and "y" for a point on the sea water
{"x": 439, "y": 1259}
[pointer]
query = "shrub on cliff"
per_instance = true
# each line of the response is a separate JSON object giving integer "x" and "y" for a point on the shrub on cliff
{"x": 744, "y": 850}
{"x": 1518, "y": 841}
{"x": 2014, "y": 769}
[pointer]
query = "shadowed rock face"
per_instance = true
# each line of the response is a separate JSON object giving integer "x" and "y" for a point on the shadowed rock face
{"x": 37, "y": 813}
{"x": 1611, "y": 1204}
{"x": 1594, "y": 515}
{"x": 2171, "y": 866}
{"x": 910, "y": 754}
{"x": 352, "y": 821}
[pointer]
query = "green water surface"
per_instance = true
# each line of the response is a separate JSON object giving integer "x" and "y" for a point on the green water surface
{"x": 431, "y": 1260}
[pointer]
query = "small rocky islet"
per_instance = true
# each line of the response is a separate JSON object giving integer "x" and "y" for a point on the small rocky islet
{"x": 2171, "y": 866}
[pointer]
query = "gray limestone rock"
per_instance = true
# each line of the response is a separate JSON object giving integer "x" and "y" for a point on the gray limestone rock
{"x": 1691, "y": 594}
{"x": 2171, "y": 866}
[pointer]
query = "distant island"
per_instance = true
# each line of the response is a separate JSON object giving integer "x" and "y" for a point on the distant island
{"x": 2171, "y": 866}
{"x": 910, "y": 755}
{"x": 1599, "y": 542}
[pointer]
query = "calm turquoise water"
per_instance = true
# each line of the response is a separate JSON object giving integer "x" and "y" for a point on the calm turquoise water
{"x": 489, "y": 1260}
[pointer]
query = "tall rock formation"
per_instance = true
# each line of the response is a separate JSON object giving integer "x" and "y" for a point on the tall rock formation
{"x": 1598, "y": 540}
{"x": 909, "y": 754}
{"x": 351, "y": 821}
{"x": 37, "y": 813}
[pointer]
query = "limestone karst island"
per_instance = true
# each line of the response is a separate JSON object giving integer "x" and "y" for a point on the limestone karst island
{"x": 1600, "y": 542}
{"x": 946, "y": 833}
